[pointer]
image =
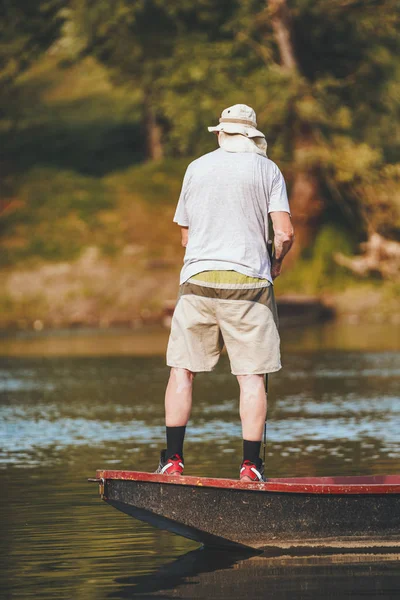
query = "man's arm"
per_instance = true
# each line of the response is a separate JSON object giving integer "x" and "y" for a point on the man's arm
{"x": 283, "y": 239}
{"x": 185, "y": 236}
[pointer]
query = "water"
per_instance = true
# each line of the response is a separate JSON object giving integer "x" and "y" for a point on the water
{"x": 66, "y": 409}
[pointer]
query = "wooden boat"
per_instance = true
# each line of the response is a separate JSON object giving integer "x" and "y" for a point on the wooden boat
{"x": 282, "y": 515}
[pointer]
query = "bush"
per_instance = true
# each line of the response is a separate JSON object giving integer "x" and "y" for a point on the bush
{"x": 55, "y": 214}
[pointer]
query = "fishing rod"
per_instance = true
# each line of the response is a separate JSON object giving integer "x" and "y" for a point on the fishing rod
{"x": 265, "y": 423}
{"x": 270, "y": 254}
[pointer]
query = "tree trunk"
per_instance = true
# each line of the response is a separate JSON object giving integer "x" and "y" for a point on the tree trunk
{"x": 154, "y": 147}
{"x": 305, "y": 203}
{"x": 306, "y": 208}
{"x": 281, "y": 25}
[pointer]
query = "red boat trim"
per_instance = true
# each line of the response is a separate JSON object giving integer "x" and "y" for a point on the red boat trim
{"x": 374, "y": 484}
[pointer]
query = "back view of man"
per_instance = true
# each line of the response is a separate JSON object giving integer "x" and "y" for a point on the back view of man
{"x": 226, "y": 294}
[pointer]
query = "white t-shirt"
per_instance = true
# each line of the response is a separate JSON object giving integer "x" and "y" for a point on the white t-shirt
{"x": 225, "y": 201}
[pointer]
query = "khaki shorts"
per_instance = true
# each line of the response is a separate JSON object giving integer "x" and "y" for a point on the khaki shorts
{"x": 206, "y": 318}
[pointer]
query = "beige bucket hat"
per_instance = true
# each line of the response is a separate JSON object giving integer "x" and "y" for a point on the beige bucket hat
{"x": 238, "y": 118}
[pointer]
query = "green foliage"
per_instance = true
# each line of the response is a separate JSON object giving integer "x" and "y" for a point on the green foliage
{"x": 72, "y": 118}
{"x": 57, "y": 213}
{"x": 154, "y": 183}
{"x": 27, "y": 28}
{"x": 379, "y": 198}
{"x": 190, "y": 61}
{"x": 121, "y": 68}
{"x": 316, "y": 270}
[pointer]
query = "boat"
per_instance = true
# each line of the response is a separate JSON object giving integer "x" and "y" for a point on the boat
{"x": 281, "y": 516}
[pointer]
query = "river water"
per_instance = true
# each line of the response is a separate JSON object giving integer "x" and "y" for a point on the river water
{"x": 72, "y": 403}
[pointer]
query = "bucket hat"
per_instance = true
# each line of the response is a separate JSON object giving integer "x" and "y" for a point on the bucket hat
{"x": 238, "y": 118}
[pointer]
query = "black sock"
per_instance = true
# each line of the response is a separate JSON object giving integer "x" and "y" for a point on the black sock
{"x": 251, "y": 451}
{"x": 175, "y": 437}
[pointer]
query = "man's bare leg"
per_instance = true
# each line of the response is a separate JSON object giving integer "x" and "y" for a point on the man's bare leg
{"x": 253, "y": 408}
{"x": 178, "y": 397}
{"x": 178, "y": 405}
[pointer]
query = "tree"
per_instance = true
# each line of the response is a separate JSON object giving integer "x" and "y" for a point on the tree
{"x": 141, "y": 43}
{"x": 317, "y": 72}
{"x": 27, "y": 29}
{"x": 337, "y": 54}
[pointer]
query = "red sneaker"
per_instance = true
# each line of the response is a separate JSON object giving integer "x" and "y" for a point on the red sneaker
{"x": 170, "y": 466}
{"x": 249, "y": 471}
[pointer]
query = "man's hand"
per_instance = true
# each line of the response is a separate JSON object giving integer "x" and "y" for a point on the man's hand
{"x": 283, "y": 240}
{"x": 276, "y": 267}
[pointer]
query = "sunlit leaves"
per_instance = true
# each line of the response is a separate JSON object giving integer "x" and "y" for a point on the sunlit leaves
{"x": 27, "y": 28}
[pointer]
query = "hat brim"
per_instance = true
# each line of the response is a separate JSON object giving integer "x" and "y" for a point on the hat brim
{"x": 246, "y": 130}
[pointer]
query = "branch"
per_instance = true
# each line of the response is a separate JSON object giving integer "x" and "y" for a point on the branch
{"x": 380, "y": 256}
{"x": 282, "y": 27}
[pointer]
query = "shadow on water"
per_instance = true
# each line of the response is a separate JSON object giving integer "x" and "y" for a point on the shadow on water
{"x": 217, "y": 574}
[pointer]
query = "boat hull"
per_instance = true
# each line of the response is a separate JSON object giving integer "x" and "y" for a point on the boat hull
{"x": 256, "y": 518}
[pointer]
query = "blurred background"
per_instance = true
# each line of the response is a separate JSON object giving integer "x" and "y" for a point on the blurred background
{"x": 103, "y": 104}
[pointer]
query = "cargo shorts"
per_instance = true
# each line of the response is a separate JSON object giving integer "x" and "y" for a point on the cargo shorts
{"x": 207, "y": 318}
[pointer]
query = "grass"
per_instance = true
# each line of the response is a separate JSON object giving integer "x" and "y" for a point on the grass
{"x": 53, "y": 215}
{"x": 75, "y": 179}
{"x": 316, "y": 271}
{"x": 156, "y": 184}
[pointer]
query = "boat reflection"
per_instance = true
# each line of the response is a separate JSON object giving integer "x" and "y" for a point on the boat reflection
{"x": 220, "y": 574}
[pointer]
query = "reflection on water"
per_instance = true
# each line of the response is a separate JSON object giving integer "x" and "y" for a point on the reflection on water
{"x": 213, "y": 574}
{"x": 331, "y": 411}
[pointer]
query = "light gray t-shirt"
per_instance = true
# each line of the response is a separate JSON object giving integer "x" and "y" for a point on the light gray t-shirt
{"x": 225, "y": 201}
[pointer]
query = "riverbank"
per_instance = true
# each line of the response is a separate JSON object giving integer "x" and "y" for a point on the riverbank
{"x": 87, "y": 235}
{"x": 87, "y": 238}
{"x": 135, "y": 289}
{"x": 151, "y": 340}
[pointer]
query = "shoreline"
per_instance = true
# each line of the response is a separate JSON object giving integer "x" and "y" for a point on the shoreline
{"x": 293, "y": 311}
{"x": 351, "y": 306}
{"x": 99, "y": 292}
{"x": 151, "y": 340}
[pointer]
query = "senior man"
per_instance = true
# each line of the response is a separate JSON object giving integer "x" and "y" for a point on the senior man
{"x": 226, "y": 291}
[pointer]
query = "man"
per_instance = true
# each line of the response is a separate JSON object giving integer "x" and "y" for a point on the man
{"x": 226, "y": 294}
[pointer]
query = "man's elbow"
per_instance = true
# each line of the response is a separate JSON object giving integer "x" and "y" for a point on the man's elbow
{"x": 185, "y": 237}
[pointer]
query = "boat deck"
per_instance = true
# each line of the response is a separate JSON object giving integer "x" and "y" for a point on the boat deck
{"x": 368, "y": 484}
